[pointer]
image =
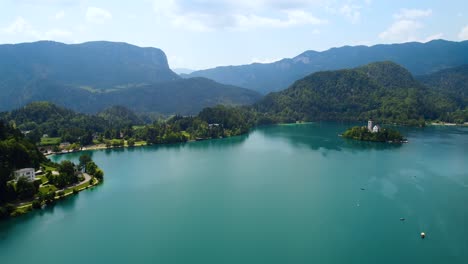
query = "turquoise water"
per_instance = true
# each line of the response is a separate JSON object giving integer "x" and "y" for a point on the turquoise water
{"x": 282, "y": 194}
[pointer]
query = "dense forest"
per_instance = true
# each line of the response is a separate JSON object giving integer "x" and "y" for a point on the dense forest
{"x": 15, "y": 152}
{"x": 383, "y": 90}
{"x": 42, "y": 118}
{"x": 452, "y": 83}
{"x": 116, "y": 126}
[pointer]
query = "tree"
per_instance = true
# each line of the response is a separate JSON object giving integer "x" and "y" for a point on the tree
{"x": 25, "y": 189}
{"x": 49, "y": 197}
{"x": 67, "y": 174}
{"x": 99, "y": 174}
{"x": 36, "y": 204}
{"x": 84, "y": 159}
{"x": 91, "y": 167}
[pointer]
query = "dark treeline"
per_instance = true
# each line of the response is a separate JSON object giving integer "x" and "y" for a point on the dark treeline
{"x": 15, "y": 152}
{"x": 40, "y": 118}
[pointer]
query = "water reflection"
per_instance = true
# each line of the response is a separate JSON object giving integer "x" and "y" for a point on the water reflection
{"x": 323, "y": 136}
{"x": 61, "y": 207}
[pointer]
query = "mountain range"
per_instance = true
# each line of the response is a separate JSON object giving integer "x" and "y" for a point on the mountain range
{"x": 418, "y": 58}
{"x": 92, "y": 76}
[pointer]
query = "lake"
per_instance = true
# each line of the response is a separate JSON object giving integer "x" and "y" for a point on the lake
{"x": 281, "y": 194}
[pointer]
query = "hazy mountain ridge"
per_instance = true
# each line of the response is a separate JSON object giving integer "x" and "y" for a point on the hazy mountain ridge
{"x": 92, "y": 76}
{"x": 183, "y": 96}
{"x": 418, "y": 58}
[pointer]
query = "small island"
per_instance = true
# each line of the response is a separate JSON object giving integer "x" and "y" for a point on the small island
{"x": 373, "y": 132}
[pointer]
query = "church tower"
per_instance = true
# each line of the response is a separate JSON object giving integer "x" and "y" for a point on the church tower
{"x": 370, "y": 125}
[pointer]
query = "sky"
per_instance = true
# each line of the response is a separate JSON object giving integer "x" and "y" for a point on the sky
{"x": 200, "y": 34}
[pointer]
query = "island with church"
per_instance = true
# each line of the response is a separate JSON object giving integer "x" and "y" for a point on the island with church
{"x": 374, "y": 132}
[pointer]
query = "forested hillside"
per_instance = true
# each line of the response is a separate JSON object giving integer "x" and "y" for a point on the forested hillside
{"x": 384, "y": 91}
{"x": 15, "y": 152}
{"x": 452, "y": 82}
{"x": 41, "y": 118}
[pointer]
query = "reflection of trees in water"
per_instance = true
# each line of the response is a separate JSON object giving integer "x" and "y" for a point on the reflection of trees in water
{"x": 323, "y": 136}
{"x": 198, "y": 145}
{"x": 9, "y": 225}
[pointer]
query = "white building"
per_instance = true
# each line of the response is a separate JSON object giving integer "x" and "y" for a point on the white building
{"x": 28, "y": 173}
{"x": 376, "y": 129}
{"x": 370, "y": 125}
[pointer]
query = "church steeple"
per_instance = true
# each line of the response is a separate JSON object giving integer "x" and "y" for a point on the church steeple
{"x": 370, "y": 125}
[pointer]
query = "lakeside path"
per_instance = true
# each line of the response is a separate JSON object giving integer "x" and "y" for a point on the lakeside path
{"x": 87, "y": 179}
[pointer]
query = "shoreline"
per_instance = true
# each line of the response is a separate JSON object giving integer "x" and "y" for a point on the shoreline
{"x": 27, "y": 207}
{"x": 103, "y": 146}
{"x": 448, "y": 124}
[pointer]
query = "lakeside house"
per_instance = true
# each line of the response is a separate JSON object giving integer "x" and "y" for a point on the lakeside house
{"x": 374, "y": 128}
{"x": 28, "y": 173}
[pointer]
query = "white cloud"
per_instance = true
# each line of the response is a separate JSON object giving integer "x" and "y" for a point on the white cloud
{"x": 412, "y": 13}
{"x": 60, "y": 15}
{"x": 463, "y": 35}
{"x": 22, "y": 30}
{"x": 97, "y": 15}
{"x": 351, "y": 12}
{"x": 401, "y": 30}
{"x": 292, "y": 18}
{"x": 21, "y": 26}
{"x": 236, "y": 15}
{"x": 407, "y": 25}
{"x": 432, "y": 37}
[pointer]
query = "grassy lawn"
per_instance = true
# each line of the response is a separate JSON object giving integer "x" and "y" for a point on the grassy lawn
{"x": 49, "y": 141}
{"x": 140, "y": 143}
{"x": 24, "y": 209}
{"x": 47, "y": 189}
{"x": 43, "y": 179}
{"x": 48, "y": 168}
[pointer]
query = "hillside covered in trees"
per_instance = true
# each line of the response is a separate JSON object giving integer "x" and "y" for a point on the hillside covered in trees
{"x": 118, "y": 125}
{"x": 41, "y": 118}
{"x": 383, "y": 90}
{"x": 15, "y": 152}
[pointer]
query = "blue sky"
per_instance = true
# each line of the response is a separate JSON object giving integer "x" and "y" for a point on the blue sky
{"x": 201, "y": 34}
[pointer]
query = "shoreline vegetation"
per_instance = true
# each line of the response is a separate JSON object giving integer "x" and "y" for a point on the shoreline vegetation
{"x": 52, "y": 182}
{"x": 385, "y": 135}
{"x": 211, "y": 123}
{"x": 103, "y": 146}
